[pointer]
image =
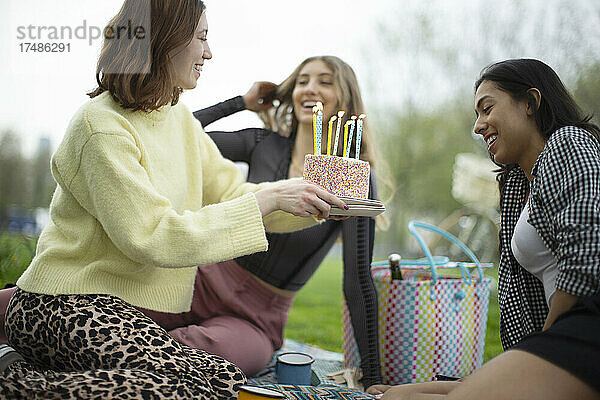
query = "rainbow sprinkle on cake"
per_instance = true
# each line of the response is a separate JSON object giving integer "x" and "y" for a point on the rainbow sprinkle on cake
{"x": 340, "y": 175}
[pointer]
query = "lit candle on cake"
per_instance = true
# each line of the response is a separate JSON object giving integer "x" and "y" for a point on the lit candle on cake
{"x": 337, "y": 131}
{"x": 352, "y": 124}
{"x": 319, "y": 125}
{"x": 345, "y": 138}
{"x": 314, "y": 110}
{"x": 329, "y": 129}
{"x": 359, "y": 129}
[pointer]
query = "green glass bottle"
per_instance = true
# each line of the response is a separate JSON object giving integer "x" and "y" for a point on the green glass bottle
{"x": 396, "y": 273}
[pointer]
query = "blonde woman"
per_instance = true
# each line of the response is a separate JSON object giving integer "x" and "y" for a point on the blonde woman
{"x": 247, "y": 326}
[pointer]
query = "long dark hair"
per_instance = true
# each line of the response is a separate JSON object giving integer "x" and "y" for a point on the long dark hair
{"x": 557, "y": 108}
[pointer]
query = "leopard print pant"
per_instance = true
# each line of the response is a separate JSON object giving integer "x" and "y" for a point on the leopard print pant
{"x": 98, "y": 346}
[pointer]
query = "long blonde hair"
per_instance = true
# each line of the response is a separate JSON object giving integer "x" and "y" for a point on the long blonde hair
{"x": 283, "y": 119}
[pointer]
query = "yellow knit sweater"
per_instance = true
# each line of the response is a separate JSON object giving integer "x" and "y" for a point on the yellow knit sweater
{"x": 142, "y": 198}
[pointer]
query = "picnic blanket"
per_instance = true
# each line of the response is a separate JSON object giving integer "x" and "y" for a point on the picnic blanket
{"x": 326, "y": 362}
{"x": 322, "y": 392}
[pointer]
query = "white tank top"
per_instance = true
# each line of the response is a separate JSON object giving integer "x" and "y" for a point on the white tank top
{"x": 531, "y": 252}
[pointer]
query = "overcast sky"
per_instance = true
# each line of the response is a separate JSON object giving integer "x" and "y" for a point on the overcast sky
{"x": 423, "y": 50}
{"x": 250, "y": 40}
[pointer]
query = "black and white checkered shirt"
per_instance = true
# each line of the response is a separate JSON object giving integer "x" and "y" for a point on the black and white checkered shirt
{"x": 564, "y": 208}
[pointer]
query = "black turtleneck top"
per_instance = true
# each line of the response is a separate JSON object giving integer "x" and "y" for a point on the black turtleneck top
{"x": 292, "y": 258}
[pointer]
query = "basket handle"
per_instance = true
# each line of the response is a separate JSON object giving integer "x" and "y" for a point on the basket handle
{"x": 438, "y": 260}
{"x": 412, "y": 225}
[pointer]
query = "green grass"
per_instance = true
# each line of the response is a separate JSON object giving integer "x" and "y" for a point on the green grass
{"x": 316, "y": 316}
{"x": 16, "y": 252}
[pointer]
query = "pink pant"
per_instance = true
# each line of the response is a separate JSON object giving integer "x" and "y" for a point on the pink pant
{"x": 232, "y": 315}
{"x": 5, "y": 295}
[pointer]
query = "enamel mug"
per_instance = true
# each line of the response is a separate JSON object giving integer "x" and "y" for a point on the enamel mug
{"x": 294, "y": 368}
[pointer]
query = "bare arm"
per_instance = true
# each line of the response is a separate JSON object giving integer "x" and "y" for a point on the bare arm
{"x": 561, "y": 302}
{"x": 427, "y": 390}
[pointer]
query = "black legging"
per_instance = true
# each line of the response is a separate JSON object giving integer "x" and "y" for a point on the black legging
{"x": 98, "y": 346}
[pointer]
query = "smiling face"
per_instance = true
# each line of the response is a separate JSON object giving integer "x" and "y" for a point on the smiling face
{"x": 507, "y": 126}
{"x": 314, "y": 83}
{"x": 188, "y": 60}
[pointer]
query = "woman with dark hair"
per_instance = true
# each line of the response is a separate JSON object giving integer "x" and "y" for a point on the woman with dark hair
{"x": 248, "y": 327}
{"x": 549, "y": 275}
{"x": 143, "y": 196}
{"x": 555, "y": 189}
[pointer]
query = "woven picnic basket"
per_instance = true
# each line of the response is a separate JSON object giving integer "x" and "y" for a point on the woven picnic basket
{"x": 428, "y": 324}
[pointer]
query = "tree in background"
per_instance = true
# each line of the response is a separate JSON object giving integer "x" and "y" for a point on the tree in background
{"x": 13, "y": 174}
{"x": 25, "y": 183}
{"x": 587, "y": 91}
{"x": 42, "y": 182}
{"x": 420, "y": 149}
{"x": 431, "y": 53}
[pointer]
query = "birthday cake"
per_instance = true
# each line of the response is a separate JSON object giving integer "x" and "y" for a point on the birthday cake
{"x": 342, "y": 176}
